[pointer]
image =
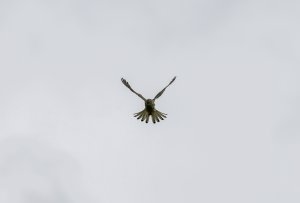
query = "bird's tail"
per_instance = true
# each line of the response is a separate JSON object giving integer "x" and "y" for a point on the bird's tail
{"x": 143, "y": 115}
{"x": 155, "y": 115}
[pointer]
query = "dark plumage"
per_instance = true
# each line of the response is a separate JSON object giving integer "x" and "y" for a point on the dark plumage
{"x": 149, "y": 105}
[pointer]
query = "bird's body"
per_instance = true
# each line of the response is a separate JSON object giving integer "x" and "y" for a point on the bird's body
{"x": 149, "y": 110}
{"x": 149, "y": 105}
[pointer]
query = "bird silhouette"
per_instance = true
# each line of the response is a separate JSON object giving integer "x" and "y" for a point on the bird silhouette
{"x": 150, "y": 109}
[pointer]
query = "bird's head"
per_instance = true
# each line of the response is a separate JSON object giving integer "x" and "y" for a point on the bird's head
{"x": 149, "y": 102}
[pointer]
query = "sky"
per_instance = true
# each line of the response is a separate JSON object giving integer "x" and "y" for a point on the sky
{"x": 67, "y": 131}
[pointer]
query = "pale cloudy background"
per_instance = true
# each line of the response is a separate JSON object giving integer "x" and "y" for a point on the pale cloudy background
{"x": 67, "y": 133}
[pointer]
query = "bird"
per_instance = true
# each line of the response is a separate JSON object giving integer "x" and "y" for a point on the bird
{"x": 149, "y": 109}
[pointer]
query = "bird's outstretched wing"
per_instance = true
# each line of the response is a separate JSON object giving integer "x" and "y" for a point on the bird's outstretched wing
{"x": 162, "y": 91}
{"x": 129, "y": 87}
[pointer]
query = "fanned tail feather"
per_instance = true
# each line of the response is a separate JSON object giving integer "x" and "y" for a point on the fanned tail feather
{"x": 137, "y": 114}
{"x": 160, "y": 115}
{"x": 153, "y": 120}
{"x": 156, "y": 116}
{"x": 147, "y": 119}
{"x": 144, "y": 115}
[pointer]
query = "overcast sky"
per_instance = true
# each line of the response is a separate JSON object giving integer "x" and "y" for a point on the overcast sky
{"x": 67, "y": 131}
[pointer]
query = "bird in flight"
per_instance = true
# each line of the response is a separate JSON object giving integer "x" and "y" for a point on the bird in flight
{"x": 149, "y": 105}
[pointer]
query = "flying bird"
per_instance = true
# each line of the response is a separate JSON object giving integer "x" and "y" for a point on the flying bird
{"x": 149, "y": 110}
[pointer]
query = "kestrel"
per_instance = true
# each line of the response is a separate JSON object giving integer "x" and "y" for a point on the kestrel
{"x": 149, "y": 105}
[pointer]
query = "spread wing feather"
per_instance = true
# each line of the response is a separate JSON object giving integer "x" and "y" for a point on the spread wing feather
{"x": 162, "y": 91}
{"x": 129, "y": 87}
